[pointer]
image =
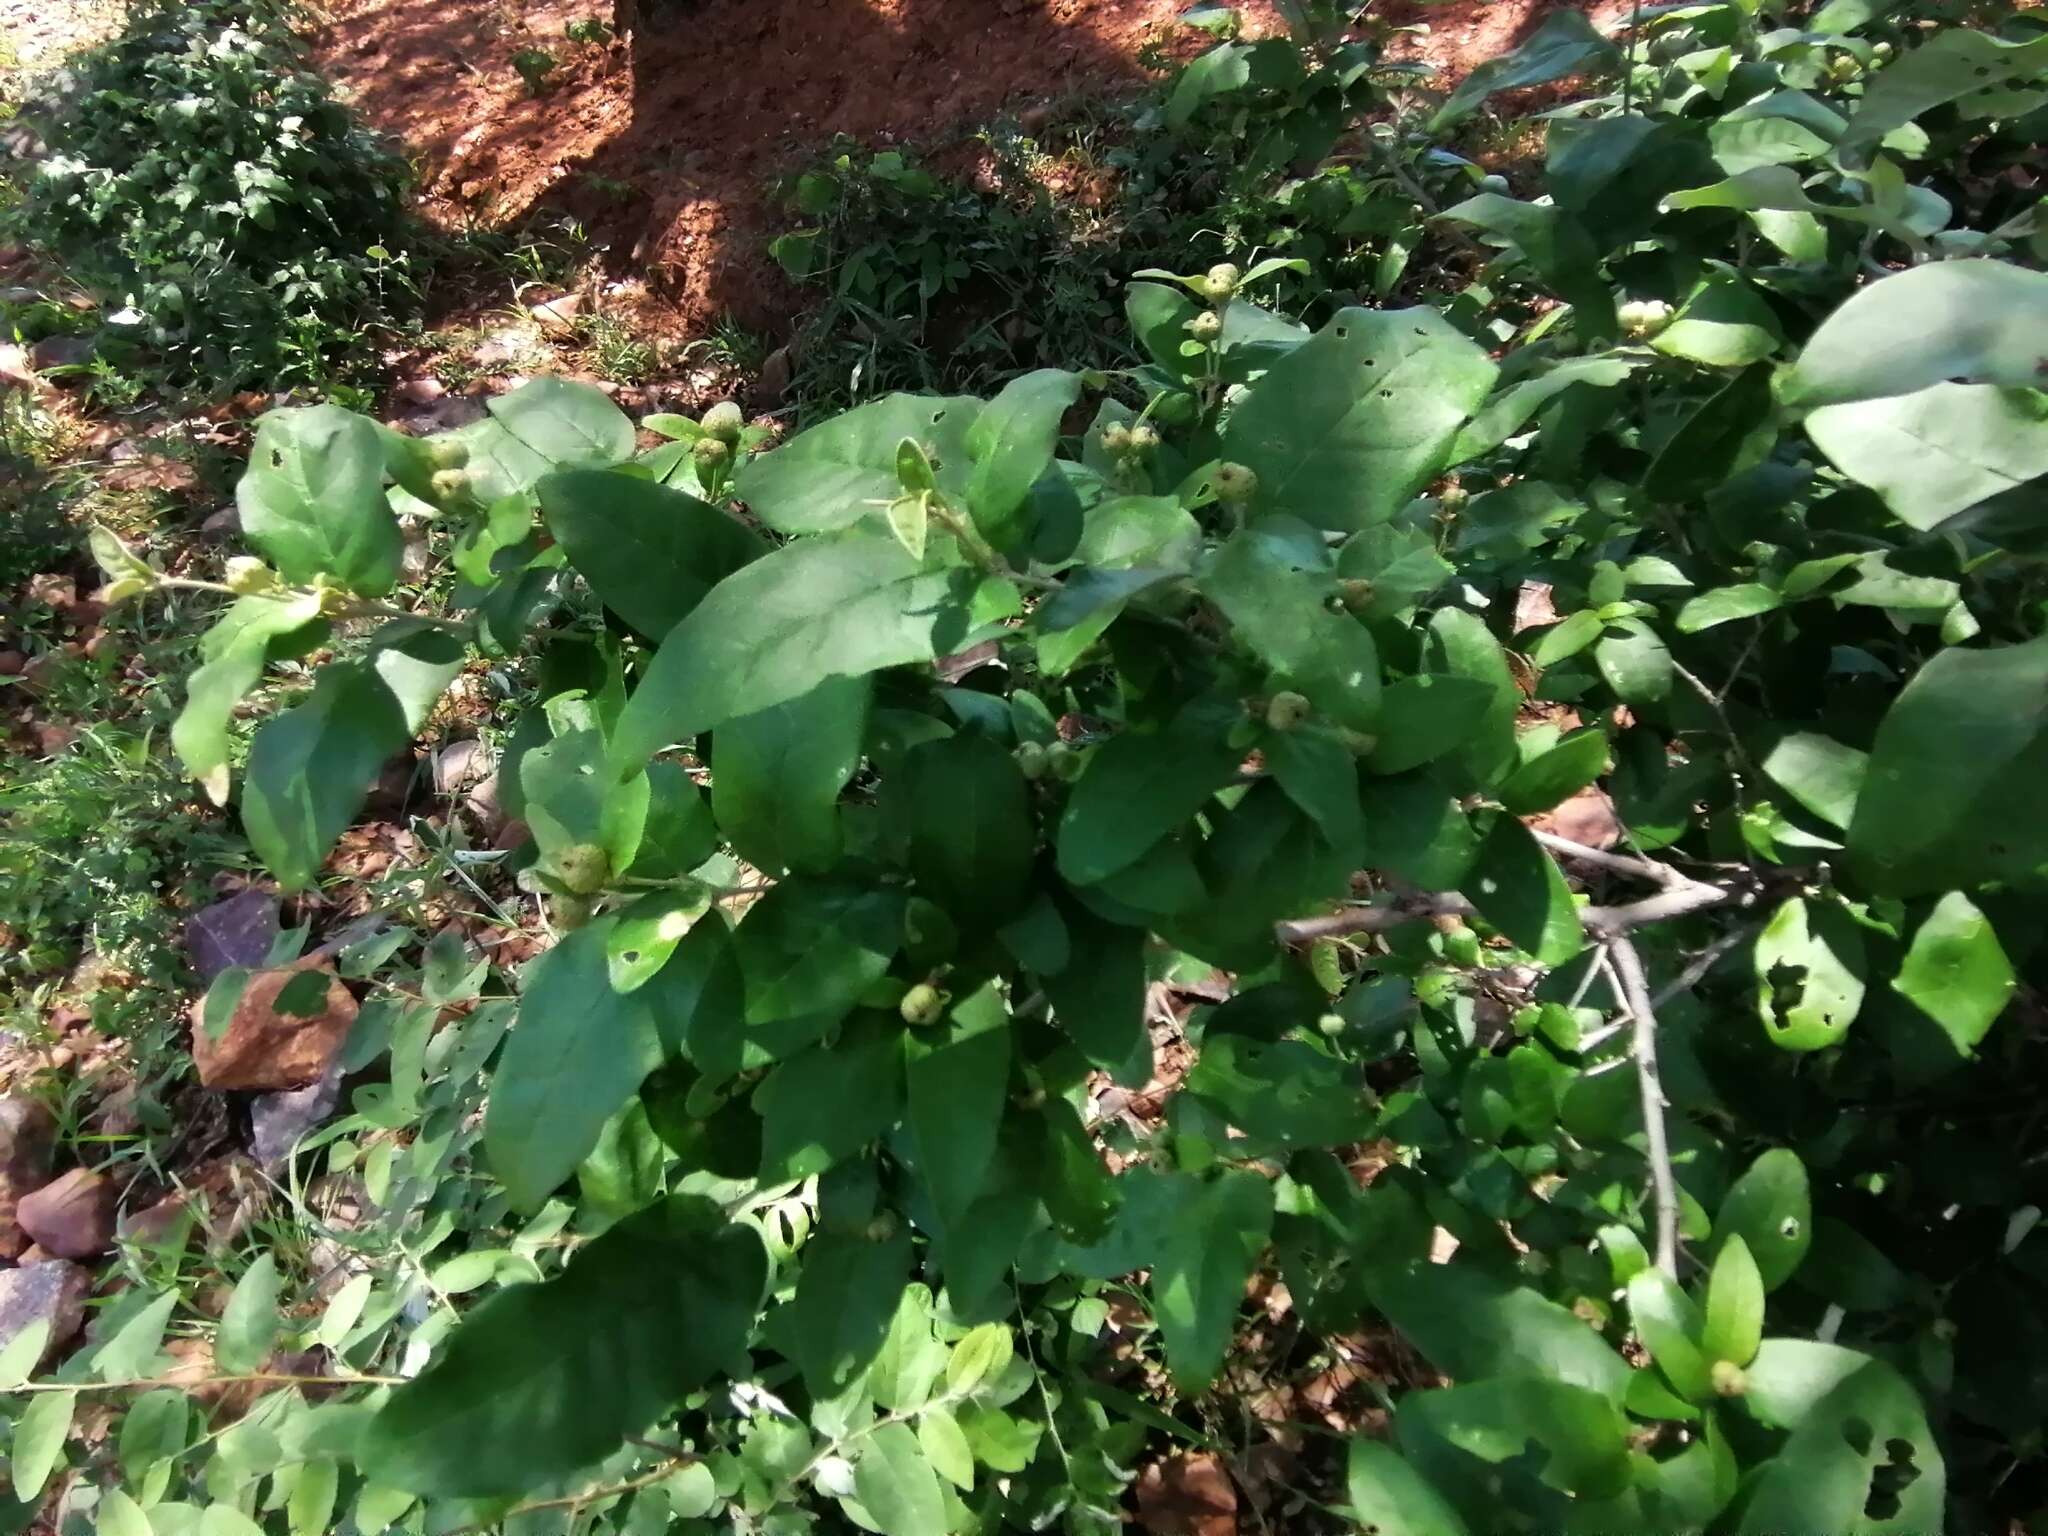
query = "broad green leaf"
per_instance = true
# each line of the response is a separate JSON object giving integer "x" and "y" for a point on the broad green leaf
{"x": 312, "y": 499}
{"x": 946, "y": 1447}
{"x": 843, "y": 470}
{"x": 1669, "y": 1325}
{"x": 1947, "y": 322}
{"x": 1425, "y": 717}
{"x": 897, "y": 1486}
{"x": 1279, "y": 610}
{"x": 956, "y": 1076}
{"x": 1218, "y": 71}
{"x": 1012, "y": 442}
{"x": 1860, "y": 1459}
{"x": 1956, "y": 971}
{"x": 249, "y": 1325}
{"x": 1731, "y": 431}
{"x": 817, "y": 608}
{"x": 120, "y": 1515}
{"x": 1955, "y": 63}
{"x": 1634, "y": 660}
{"x": 983, "y": 1354}
{"x": 903, "y": 1374}
{"x": 1771, "y": 1210}
{"x": 1098, "y": 997}
{"x": 649, "y": 553}
{"x": 809, "y": 949}
{"x": 1939, "y": 450}
{"x": 646, "y": 934}
{"x": 21, "y": 1354}
{"x": 973, "y": 838}
{"x": 829, "y": 1102}
{"x": 1320, "y": 775}
{"x": 1557, "y": 246}
{"x": 1724, "y": 325}
{"x": 1809, "y": 975}
{"x": 1344, "y": 429}
{"x": 1401, "y": 563}
{"x": 1459, "y": 644}
{"x": 572, "y": 805}
{"x": 1477, "y": 1437}
{"x": 1518, "y": 888}
{"x": 38, "y": 1443}
{"x": 565, "y": 422}
{"x": 1389, "y": 1496}
{"x": 1743, "y": 142}
{"x": 679, "y": 833}
{"x": 846, "y": 1297}
{"x": 310, "y": 767}
{"x": 1138, "y": 787}
{"x": 1282, "y": 1091}
{"x": 651, "y": 1309}
{"x": 576, "y": 1055}
{"x": 1949, "y": 799}
{"x": 253, "y": 633}
{"x": 1471, "y": 1323}
{"x": 1564, "y": 44}
{"x": 311, "y": 1505}
{"x": 499, "y": 465}
{"x": 1199, "y": 1270}
{"x": 1552, "y": 777}
{"x": 1734, "y": 1324}
{"x": 1820, "y": 773}
{"x": 1418, "y": 832}
{"x": 776, "y": 775}
{"x": 1724, "y": 605}
{"x": 1567, "y": 637}
{"x": 1507, "y": 412}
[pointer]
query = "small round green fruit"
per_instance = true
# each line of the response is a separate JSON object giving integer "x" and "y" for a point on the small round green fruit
{"x": 1234, "y": 484}
{"x": 724, "y": 422}
{"x": 1287, "y": 710}
{"x": 1729, "y": 1379}
{"x": 1221, "y": 281}
{"x": 923, "y": 1004}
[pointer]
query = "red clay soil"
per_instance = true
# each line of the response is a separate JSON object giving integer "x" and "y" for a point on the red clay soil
{"x": 666, "y": 145}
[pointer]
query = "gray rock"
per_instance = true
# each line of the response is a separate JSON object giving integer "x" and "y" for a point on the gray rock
{"x": 61, "y": 352}
{"x": 238, "y": 931}
{"x": 278, "y": 1120}
{"x": 54, "y": 1292}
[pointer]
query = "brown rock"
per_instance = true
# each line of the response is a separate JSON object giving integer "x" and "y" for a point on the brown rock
{"x": 15, "y": 370}
{"x": 1587, "y": 819}
{"x": 35, "y": 1253}
{"x": 559, "y": 315}
{"x": 54, "y": 1292}
{"x": 168, "y": 1221}
{"x": 27, "y": 1132}
{"x": 282, "y": 1034}
{"x": 51, "y": 590}
{"x": 72, "y": 1217}
{"x": 12, "y": 663}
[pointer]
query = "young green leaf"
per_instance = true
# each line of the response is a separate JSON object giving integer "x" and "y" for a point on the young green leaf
{"x": 1670, "y": 1326}
{"x": 1735, "y": 1304}
{"x": 1956, "y": 971}
{"x": 956, "y": 1075}
{"x": 1519, "y": 889}
{"x": 313, "y": 499}
{"x": 1771, "y": 1209}
{"x": 835, "y": 474}
{"x": 897, "y": 1486}
{"x": 1809, "y": 975}
{"x": 38, "y": 1445}
{"x": 565, "y": 421}
{"x": 776, "y": 775}
{"x": 1389, "y": 1496}
{"x": 846, "y": 1298}
{"x": 249, "y": 1324}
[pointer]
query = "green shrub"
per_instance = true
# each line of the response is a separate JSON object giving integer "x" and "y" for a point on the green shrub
{"x": 1693, "y": 1161}
{"x": 240, "y": 222}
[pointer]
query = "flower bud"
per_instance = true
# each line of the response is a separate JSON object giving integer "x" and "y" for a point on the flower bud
{"x": 1206, "y": 326}
{"x": 1144, "y": 437}
{"x": 447, "y": 453}
{"x": 1234, "y": 483}
{"x": 723, "y": 422}
{"x": 710, "y": 452}
{"x": 1116, "y": 438}
{"x": 1729, "y": 1379}
{"x": 1643, "y": 317}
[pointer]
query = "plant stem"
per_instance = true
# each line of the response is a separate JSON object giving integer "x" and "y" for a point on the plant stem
{"x": 264, "y": 1378}
{"x": 1627, "y": 969}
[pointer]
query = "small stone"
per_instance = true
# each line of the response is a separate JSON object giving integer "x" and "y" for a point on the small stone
{"x": 170, "y": 1219}
{"x": 35, "y": 1253}
{"x": 28, "y": 1131}
{"x": 12, "y": 663}
{"x": 238, "y": 931}
{"x": 421, "y": 391}
{"x": 61, "y": 352}
{"x": 282, "y": 1034}
{"x": 53, "y": 1292}
{"x": 559, "y": 315}
{"x": 224, "y": 523}
{"x": 777, "y": 371}
{"x": 461, "y": 765}
{"x": 278, "y": 1121}
{"x": 72, "y": 1217}
{"x": 16, "y": 372}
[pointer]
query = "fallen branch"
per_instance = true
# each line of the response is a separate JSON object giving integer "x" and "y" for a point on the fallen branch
{"x": 1616, "y": 863}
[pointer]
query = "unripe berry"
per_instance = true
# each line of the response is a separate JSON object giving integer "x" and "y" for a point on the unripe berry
{"x": 1064, "y": 761}
{"x": 1331, "y": 1023}
{"x": 1461, "y": 947}
{"x": 1356, "y": 593}
{"x": 1116, "y": 437}
{"x": 709, "y": 452}
{"x": 1494, "y": 184}
{"x": 922, "y": 1005}
{"x": 1031, "y": 760}
{"x": 724, "y": 421}
{"x": 1206, "y": 326}
{"x": 1221, "y": 280}
{"x": 1144, "y": 437}
{"x": 1175, "y": 408}
{"x": 1453, "y": 496}
{"x": 451, "y": 484}
{"x": 1643, "y": 317}
{"x": 447, "y": 453}
{"x": 246, "y": 576}
{"x": 1729, "y": 1378}
{"x": 1233, "y": 483}
{"x": 1285, "y": 711}
{"x": 882, "y": 1228}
